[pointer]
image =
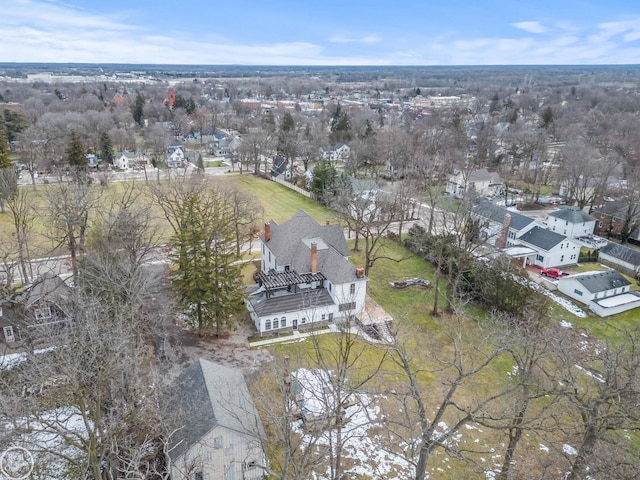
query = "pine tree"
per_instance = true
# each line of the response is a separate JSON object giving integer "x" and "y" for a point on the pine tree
{"x": 138, "y": 109}
{"x": 76, "y": 154}
{"x": 106, "y": 148}
{"x": 204, "y": 278}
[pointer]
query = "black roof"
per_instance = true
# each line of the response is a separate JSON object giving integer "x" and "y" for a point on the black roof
{"x": 601, "y": 281}
{"x": 496, "y": 213}
{"x": 621, "y": 252}
{"x": 542, "y": 238}
{"x": 572, "y": 214}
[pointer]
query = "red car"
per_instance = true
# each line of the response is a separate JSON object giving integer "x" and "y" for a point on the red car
{"x": 553, "y": 272}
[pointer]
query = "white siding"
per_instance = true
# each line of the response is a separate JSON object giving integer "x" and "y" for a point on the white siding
{"x": 222, "y": 454}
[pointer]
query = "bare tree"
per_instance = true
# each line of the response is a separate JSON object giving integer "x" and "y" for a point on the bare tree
{"x": 459, "y": 363}
{"x": 69, "y": 204}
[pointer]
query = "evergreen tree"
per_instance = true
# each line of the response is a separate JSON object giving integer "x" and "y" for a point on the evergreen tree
{"x": 204, "y": 278}
{"x": 76, "y": 153}
{"x": 546, "y": 117}
{"x": 138, "y": 109}
{"x": 324, "y": 176}
{"x": 106, "y": 148}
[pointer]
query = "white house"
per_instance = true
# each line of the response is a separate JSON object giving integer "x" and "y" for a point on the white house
{"x": 175, "y": 155}
{"x": 605, "y": 292}
{"x": 305, "y": 277}
{"x": 338, "y": 152}
{"x": 125, "y": 160}
{"x": 553, "y": 249}
{"x": 218, "y": 433}
{"x": 476, "y": 182}
{"x": 571, "y": 222}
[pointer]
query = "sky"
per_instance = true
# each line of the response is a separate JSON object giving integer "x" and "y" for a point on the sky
{"x": 321, "y": 32}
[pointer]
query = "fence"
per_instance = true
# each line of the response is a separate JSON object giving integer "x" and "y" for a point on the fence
{"x": 291, "y": 186}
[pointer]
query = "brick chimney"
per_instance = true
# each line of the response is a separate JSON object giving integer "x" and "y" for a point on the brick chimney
{"x": 501, "y": 241}
{"x": 359, "y": 272}
{"x": 314, "y": 257}
{"x": 327, "y": 222}
{"x": 267, "y": 232}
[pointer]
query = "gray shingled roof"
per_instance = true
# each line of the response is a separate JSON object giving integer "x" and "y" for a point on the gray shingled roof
{"x": 542, "y": 238}
{"x": 206, "y": 395}
{"x": 286, "y": 245}
{"x": 496, "y": 213}
{"x": 572, "y": 214}
{"x": 601, "y": 281}
{"x": 621, "y": 252}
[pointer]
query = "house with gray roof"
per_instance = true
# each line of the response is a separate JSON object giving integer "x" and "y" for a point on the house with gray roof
{"x": 217, "y": 432}
{"x": 571, "y": 222}
{"x": 305, "y": 277}
{"x": 498, "y": 224}
{"x": 620, "y": 257}
{"x": 38, "y": 312}
{"x": 553, "y": 249}
{"x": 604, "y": 292}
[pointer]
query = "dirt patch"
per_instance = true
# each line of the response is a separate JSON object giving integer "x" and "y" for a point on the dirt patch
{"x": 231, "y": 349}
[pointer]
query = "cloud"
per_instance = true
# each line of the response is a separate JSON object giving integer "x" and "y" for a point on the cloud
{"x": 367, "y": 40}
{"x": 531, "y": 27}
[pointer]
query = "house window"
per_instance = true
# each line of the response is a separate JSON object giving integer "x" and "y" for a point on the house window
{"x": 562, "y": 258}
{"x": 198, "y": 476}
{"x": 42, "y": 313}
{"x": 286, "y": 268}
{"x": 599, "y": 224}
{"x": 217, "y": 442}
{"x": 275, "y": 323}
{"x": 283, "y": 322}
{"x": 347, "y": 306}
{"x": 8, "y": 333}
{"x": 331, "y": 317}
{"x": 577, "y": 292}
{"x": 352, "y": 288}
{"x": 263, "y": 249}
{"x": 324, "y": 317}
{"x": 304, "y": 320}
{"x": 539, "y": 258}
{"x": 269, "y": 257}
{"x": 267, "y": 325}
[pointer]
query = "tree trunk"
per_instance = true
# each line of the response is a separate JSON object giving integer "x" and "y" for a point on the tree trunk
{"x": 579, "y": 467}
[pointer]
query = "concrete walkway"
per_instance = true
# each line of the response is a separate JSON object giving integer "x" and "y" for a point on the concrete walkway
{"x": 296, "y": 337}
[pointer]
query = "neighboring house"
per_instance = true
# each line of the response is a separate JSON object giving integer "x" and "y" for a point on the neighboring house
{"x": 553, "y": 249}
{"x": 218, "y": 431}
{"x": 604, "y": 292}
{"x": 125, "y": 160}
{"x": 279, "y": 168}
{"x": 175, "y": 155}
{"x": 611, "y": 217}
{"x": 92, "y": 160}
{"x": 37, "y": 312}
{"x": 499, "y": 226}
{"x": 221, "y": 144}
{"x": 621, "y": 257}
{"x": 305, "y": 277}
{"x": 571, "y": 222}
{"x": 338, "y": 152}
{"x": 475, "y": 182}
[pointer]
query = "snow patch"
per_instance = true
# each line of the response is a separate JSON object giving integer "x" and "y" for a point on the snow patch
{"x": 569, "y": 450}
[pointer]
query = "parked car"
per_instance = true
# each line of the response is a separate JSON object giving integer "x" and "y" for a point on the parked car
{"x": 553, "y": 272}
